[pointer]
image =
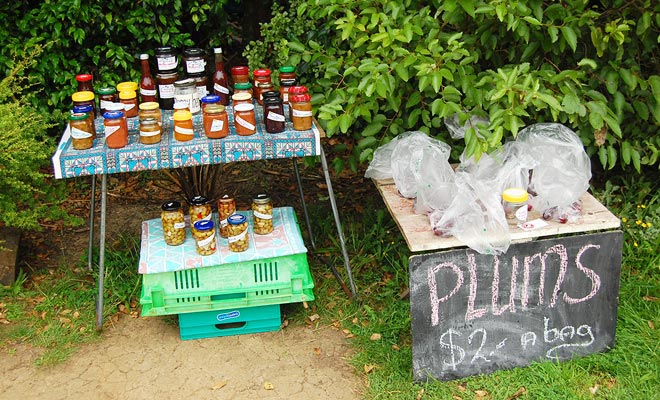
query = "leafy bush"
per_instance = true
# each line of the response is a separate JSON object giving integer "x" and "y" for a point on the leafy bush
{"x": 379, "y": 68}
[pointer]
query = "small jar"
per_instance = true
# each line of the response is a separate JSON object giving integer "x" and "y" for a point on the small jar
{"x": 174, "y": 224}
{"x": 81, "y": 131}
{"x": 262, "y": 210}
{"x": 183, "y": 126}
{"x": 244, "y": 119}
{"x": 285, "y": 85}
{"x": 201, "y": 85}
{"x": 216, "y": 121}
{"x": 115, "y": 129}
{"x": 106, "y": 96}
{"x": 89, "y": 110}
{"x": 274, "y": 114}
{"x": 226, "y": 207}
{"x": 150, "y": 110}
{"x": 301, "y": 111}
{"x": 244, "y": 87}
{"x": 150, "y": 131}
{"x": 167, "y": 61}
{"x": 262, "y": 75}
{"x": 130, "y": 101}
{"x": 294, "y": 90}
{"x": 205, "y": 239}
{"x": 238, "y": 98}
{"x": 83, "y": 99}
{"x": 127, "y": 86}
{"x": 199, "y": 210}
{"x": 185, "y": 92}
{"x": 239, "y": 74}
{"x": 263, "y": 87}
{"x": 84, "y": 83}
{"x": 238, "y": 233}
{"x": 194, "y": 61}
{"x": 210, "y": 99}
{"x": 165, "y": 83}
{"x": 287, "y": 72}
{"x": 514, "y": 201}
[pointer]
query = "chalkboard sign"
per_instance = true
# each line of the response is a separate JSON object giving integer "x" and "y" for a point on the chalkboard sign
{"x": 549, "y": 299}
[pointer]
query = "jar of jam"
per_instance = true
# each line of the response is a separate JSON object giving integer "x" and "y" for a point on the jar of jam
{"x": 183, "y": 126}
{"x": 166, "y": 90}
{"x": 84, "y": 83}
{"x": 174, "y": 224}
{"x": 89, "y": 110}
{"x": 287, "y": 72}
{"x": 238, "y": 98}
{"x": 83, "y": 99}
{"x": 240, "y": 74}
{"x": 244, "y": 87}
{"x": 150, "y": 131}
{"x": 210, "y": 99}
{"x": 106, "y": 95}
{"x": 238, "y": 233}
{"x": 262, "y": 210}
{"x": 115, "y": 129}
{"x": 167, "y": 61}
{"x": 82, "y": 137}
{"x": 226, "y": 207}
{"x": 127, "y": 86}
{"x": 274, "y": 114}
{"x": 244, "y": 119}
{"x": 271, "y": 94}
{"x": 150, "y": 110}
{"x": 130, "y": 101}
{"x": 216, "y": 121}
{"x": 199, "y": 210}
{"x": 194, "y": 61}
{"x": 301, "y": 111}
{"x": 294, "y": 90}
{"x": 262, "y": 75}
{"x": 261, "y": 88}
{"x": 205, "y": 242}
{"x": 285, "y": 85}
{"x": 186, "y": 93}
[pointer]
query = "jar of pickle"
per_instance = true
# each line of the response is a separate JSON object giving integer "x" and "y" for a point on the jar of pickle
{"x": 107, "y": 95}
{"x": 238, "y": 233}
{"x": 150, "y": 110}
{"x": 244, "y": 119}
{"x": 89, "y": 110}
{"x": 301, "y": 111}
{"x": 244, "y": 87}
{"x": 81, "y": 131}
{"x": 240, "y": 73}
{"x": 183, "y": 126}
{"x": 274, "y": 114}
{"x": 226, "y": 207}
{"x": 216, "y": 121}
{"x": 205, "y": 242}
{"x": 200, "y": 209}
{"x": 115, "y": 129}
{"x": 83, "y": 99}
{"x": 150, "y": 131}
{"x": 130, "y": 101}
{"x": 262, "y": 210}
{"x": 174, "y": 224}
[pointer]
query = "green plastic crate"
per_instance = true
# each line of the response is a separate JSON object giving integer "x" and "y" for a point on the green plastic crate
{"x": 230, "y": 322}
{"x": 268, "y": 281}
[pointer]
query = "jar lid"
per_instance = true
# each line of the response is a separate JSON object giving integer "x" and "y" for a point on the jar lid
{"x": 113, "y": 114}
{"x": 217, "y": 50}
{"x": 193, "y": 52}
{"x": 165, "y": 50}
{"x": 243, "y": 86}
{"x": 204, "y": 225}
{"x": 226, "y": 199}
{"x": 261, "y": 72}
{"x": 144, "y": 56}
{"x": 82, "y": 96}
{"x": 149, "y": 105}
{"x": 288, "y": 83}
{"x": 298, "y": 89}
{"x": 84, "y": 77}
{"x": 239, "y": 70}
{"x": 127, "y": 94}
{"x": 83, "y": 109}
{"x": 182, "y": 115}
{"x": 236, "y": 219}
{"x": 300, "y": 97}
{"x": 171, "y": 206}
{"x": 126, "y": 86}
{"x": 185, "y": 82}
{"x": 211, "y": 98}
{"x": 242, "y": 107}
{"x": 214, "y": 109}
{"x": 515, "y": 195}
{"x": 261, "y": 198}
{"x": 272, "y": 101}
{"x": 106, "y": 90}
{"x": 242, "y": 96}
{"x": 270, "y": 94}
{"x": 287, "y": 69}
{"x": 115, "y": 107}
{"x": 77, "y": 116}
{"x": 199, "y": 201}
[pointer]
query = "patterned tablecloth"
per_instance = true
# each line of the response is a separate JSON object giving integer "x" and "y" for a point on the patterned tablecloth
{"x": 170, "y": 153}
{"x": 156, "y": 256}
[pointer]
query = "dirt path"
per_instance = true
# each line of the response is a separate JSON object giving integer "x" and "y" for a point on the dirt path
{"x": 144, "y": 358}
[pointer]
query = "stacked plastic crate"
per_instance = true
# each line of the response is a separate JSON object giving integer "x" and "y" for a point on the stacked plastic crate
{"x": 225, "y": 293}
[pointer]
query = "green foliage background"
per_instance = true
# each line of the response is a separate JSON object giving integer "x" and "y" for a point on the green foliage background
{"x": 378, "y": 68}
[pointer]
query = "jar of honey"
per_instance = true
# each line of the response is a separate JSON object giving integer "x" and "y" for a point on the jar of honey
{"x": 89, "y": 110}
{"x": 130, "y": 101}
{"x": 150, "y": 131}
{"x": 301, "y": 112}
{"x": 183, "y": 126}
{"x": 150, "y": 110}
{"x": 216, "y": 121}
{"x": 244, "y": 119}
{"x": 81, "y": 131}
{"x": 115, "y": 129}
{"x": 287, "y": 72}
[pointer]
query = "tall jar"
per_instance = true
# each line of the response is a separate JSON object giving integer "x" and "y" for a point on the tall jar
{"x": 199, "y": 210}
{"x": 83, "y": 99}
{"x": 205, "y": 242}
{"x": 130, "y": 101}
{"x": 186, "y": 93}
{"x": 167, "y": 61}
{"x": 238, "y": 233}
{"x": 183, "y": 126}
{"x": 216, "y": 121}
{"x": 220, "y": 81}
{"x": 107, "y": 95}
{"x": 89, "y": 110}
{"x": 166, "y": 90}
{"x": 262, "y": 210}
{"x": 115, "y": 129}
{"x": 174, "y": 224}
{"x": 147, "y": 83}
{"x": 301, "y": 112}
{"x": 150, "y": 110}
{"x": 244, "y": 119}
{"x": 240, "y": 74}
{"x": 226, "y": 207}
{"x": 194, "y": 61}
{"x": 274, "y": 114}
{"x": 150, "y": 131}
{"x": 81, "y": 131}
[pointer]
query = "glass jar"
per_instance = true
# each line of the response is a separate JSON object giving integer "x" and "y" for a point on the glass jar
{"x": 130, "y": 101}
{"x": 183, "y": 126}
{"x": 205, "y": 242}
{"x": 220, "y": 84}
{"x": 262, "y": 75}
{"x": 174, "y": 224}
{"x": 82, "y": 137}
{"x": 199, "y": 210}
{"x": 216, "y": 121}
{"x": 167, "y": 61}
{"x": 107, "y": 95}
{"x": 262, "y": 210}
{"x": 150, "y": 131}
{"x": 127, "y": 86}
{"x": 115, "y": 129}
{"x": 238, "y": 98}
{"x": 287, "y": 72}
{"x": 514, "y": 201}
{"x": 263, "y": 87}
{"x": 226, "y": 207}
{"x": 210, "y": 99}
{"x": 238, "y": 233}
{"x": 150, "y": 110}
{"x": 244, "y": 87}
{"x": 147, "y": 83}
{"x": 89, "y": 110}
{"x": 285, "y": 85}
{"x": 201, "y": 85}
{"x": 194, "y": 61}
{"x": 83, "y": 99}
{"x": 84, "y": 83}
{"x": 244, "y": 119}
{"x": 301, "y": 112}
{"x": 166, "y": 90}
{"x": 274, "y": 114}
{"x": 240, "y": 74}
{"x": 294, "y": 90}
{"x": 185, "y": 92}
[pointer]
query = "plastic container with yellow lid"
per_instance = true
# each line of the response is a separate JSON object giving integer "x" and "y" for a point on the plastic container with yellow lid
{"x": 514, "y": 201}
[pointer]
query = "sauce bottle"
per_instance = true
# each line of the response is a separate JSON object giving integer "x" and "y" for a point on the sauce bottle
{"x": 147, "y": 82}
{"x": 220, "y": 84}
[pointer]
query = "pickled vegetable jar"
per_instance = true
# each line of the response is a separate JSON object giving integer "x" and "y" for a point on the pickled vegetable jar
{"x": 238, "y": 233}
{"x": 174, "y": 224}
{"x": 262, "y": 209}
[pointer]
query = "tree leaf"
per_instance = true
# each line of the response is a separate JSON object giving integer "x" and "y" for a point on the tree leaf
{"x": 570, "y": 36}
{"x": 626, "y": 151}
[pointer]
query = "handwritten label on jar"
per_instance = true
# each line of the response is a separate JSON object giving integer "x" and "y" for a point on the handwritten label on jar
{"x": 109, "y": 130}
{"x": 257, "y": 214}
{"x": 217, "y": 125}
{"x": 300, "y": 113}
{"x": 129, "y": 107}
{"x": 166, "y": 63}
{"x": 273, "y": 116}
{"x": 105, "y": 104}
{"x": 184, "y": 131}
{"x": 201, "y": 91}
{"x": 147, "y": 92}
{"x": 195, "y": 66}
{"x": 220, "y": 88}
{"x": 205, "y": 242}
{"x": 245, "y": 124}
{"x": 79, "y": 134}
{"x": 179, "y": 225}
{"x": 240, "y": 236}
{"x": 166, "y": 91}
{"x": 149, "y": 133}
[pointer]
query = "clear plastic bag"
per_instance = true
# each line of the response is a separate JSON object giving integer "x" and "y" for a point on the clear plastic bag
{"x": 458, "y": 132}
{"x": 380, "y": 166}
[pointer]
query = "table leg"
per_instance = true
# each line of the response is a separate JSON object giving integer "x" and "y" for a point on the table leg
{"x": 90, "y": 245}
{"x": 335, "y": 211}
{"x": 302, "y": 201}
{"x": 99, "y": 299}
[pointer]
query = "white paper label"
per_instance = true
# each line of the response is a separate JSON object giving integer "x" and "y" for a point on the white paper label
{"x": 207, "y": 218}
{"x": 259, "y": 215}
{"x": 223, "y": 222}
{"x": 273, "y": 116}
{"x": 240, "y": 236}
{"x": 109, "y": 130}
{"x": 104, "y": 104}
{"x": 245, "y": 124}
{"x": 195, "y": 66}
{"x": 219, "y": 88}
{"x": 128, "y": 106}
{"x": 285, "y": 98}
{"x": 149, "y": 133}
{"x": 217, "y": 125}
{"x": 300, "y": 113}
{"x": 179, "y": 225}
{"x": 148, "y": 92}
{"x": 201, "y": 91}
{"x": 166, "y": 63}
{"x": 521, "y": 213}
{"x": 79, "y": 134}
{"x": 166, "y": 91}
{"x": 205, "y": 242}
{"x": 184, "y": 131}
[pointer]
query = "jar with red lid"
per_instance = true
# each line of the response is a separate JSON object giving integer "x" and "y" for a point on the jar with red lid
{"x": 262, "y": 81}
{"x": 301, "y": 111}
{"x": 130, "y": 101}
{"x": 240, "y": 74}
{"x": 183, "y": 126}
{"x": 115, "y": 129}
{"x": 244, "y": 119}
{"x": 294, "y": 90}
{"x": 216, "y": 121}
{"x": 84, "y": 83}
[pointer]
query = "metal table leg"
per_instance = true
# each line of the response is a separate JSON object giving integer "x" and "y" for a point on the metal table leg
{"x": 90, "y": 246}
{"x": 302, "y": 200}
{"x": 99, "y": 299}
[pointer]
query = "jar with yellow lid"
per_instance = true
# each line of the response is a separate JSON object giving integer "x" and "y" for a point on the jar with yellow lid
{"x": 514, "y": 201}
{"x": 216, "y": 121}
{"x": 85, "y": 98}
{"x": 183, "y": 126}
{"x": 130, "y": 101}
{"x": 150, "y": 131}
{"x": 150, "y": 109}
{"x": 127, "y": 86}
